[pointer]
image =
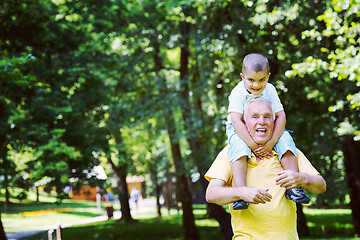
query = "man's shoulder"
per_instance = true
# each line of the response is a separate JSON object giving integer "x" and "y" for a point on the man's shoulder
{"x": 304, "y": 164}
{"x": 221, "y": 167}
{"x": 222, "y": 155}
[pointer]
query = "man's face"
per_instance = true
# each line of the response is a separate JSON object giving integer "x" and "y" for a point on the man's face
{"x": 255, "y": 82}
{"x": 259, "y": 121}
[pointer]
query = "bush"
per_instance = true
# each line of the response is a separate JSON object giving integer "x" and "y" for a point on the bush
{"x": 22, "y": 196}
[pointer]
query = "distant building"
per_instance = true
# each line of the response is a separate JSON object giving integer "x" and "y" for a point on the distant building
{"x": 89, "y": 193}
{"x": 84, "y": 193}
{"x": 138, "y": 183}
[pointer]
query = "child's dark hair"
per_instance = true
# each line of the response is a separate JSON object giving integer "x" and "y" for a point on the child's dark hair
{"x": 255, "y": 62}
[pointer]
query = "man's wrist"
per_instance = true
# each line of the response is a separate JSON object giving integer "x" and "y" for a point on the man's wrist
{"x": 304, "y": 180}
{"x": 239, "y": 193}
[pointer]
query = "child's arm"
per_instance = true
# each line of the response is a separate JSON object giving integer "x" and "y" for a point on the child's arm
{"x": 279, "y": 127}
{"x": 241, "y": 130}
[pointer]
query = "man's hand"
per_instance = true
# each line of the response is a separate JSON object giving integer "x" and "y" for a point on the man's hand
{"x": 217, "y": 192}
{"x": 290, "y": 179}
{"x": 256, "y": 195}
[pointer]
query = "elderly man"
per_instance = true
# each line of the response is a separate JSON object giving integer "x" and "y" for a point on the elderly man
{"x": 270, "y": 215}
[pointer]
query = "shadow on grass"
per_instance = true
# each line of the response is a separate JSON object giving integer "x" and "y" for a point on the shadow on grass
{"x": 30, "y": 206}
{"x": 150, "y": 229}
{"x": 330, "y": 224}
{"x": 83, "y": 214}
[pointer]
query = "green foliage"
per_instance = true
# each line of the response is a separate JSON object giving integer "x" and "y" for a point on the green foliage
{"x": 56, "y": 111}
{"x": 340, "y": 63}
{"x": 331, "y": 77}
{"x": 79, "y": 78}
{"x": 21, "y": 196}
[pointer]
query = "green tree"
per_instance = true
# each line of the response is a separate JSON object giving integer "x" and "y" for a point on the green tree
{"x": 152, "y": 33}
{"x": 336, "y": 60}
{"x": 60, "y": 114}
{"x": 14, "y": 86}
{"x": 11, "y": 77}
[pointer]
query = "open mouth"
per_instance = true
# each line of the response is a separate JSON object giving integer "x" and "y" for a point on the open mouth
{"x": 255, "y": 90}
{"x": 261, "y": 130}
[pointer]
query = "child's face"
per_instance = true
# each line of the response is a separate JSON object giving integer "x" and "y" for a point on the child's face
{"x": 255, "y": 82}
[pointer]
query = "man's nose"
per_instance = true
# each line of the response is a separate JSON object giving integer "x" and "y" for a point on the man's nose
{"x": 261, "y": 120}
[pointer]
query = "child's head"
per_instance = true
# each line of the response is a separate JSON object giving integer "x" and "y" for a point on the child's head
{"x": 255, "y": 72}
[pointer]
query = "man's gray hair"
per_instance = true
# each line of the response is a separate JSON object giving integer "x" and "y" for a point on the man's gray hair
{"x": 257, "y": 98}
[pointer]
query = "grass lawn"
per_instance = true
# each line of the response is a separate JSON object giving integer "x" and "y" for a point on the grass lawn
{"x": 146, "y": 227}
{"x": 323, "y": 224}
{"x": 329, "y": 222}
{"x": 28, "y": 215}
{"x": 332, "y": 224}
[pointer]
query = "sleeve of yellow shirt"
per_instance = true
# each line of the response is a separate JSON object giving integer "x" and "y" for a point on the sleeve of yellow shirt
{"x": 304, "y": 165}
{"x": 221, "y": 167}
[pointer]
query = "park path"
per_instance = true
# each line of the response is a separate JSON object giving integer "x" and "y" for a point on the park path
{"x": 145, "y": 205}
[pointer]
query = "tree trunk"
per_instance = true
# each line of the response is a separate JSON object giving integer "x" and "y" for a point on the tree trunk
{"x": 154, "y": 179}
{"x": 120, "y": 173}
{"x": 7, "y": 193}
{"x": 5, "y": 166}
{"x": 158, "y": 205}
{"x": 167, "y": 191}
{"x": 2, "y": 232}
{"x": 219, "y": 213}
{"x": 196, "y": 145}
{"x": 37, "y": 194}
{"x": 302, "y": 227}
{"x": 352, "y": 168}
{"x": 184, "y": 86}
{"x": 189, "y": 230}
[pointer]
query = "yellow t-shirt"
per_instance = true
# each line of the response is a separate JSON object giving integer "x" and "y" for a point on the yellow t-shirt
{"x": 274, "y": 220}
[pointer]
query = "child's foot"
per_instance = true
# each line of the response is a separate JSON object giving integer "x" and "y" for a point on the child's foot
{"x": 238, "y": 205}
{"x": 297, "y": 195}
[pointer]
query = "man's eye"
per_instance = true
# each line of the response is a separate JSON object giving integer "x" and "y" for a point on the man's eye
{"x": 262, "y": 80}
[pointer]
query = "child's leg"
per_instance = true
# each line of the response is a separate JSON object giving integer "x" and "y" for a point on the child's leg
{"x": 238, "y": 154}
{"x": 239, "y": 169}
{"x": 286, "y": 150}
{"x": 289, "y": 161}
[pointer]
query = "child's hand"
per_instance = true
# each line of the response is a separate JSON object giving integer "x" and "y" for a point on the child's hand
{"x": 263, "y": 151}
{"x": 268, "y": 147}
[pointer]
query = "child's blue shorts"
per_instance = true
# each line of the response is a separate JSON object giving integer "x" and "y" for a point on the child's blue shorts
{"x": 239, "y": 148}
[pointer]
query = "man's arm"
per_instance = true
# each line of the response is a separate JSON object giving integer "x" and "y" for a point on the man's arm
{"x": 314, "y": 183}
{"x": 217, "y": 192}
{"x": 290, "y": 179}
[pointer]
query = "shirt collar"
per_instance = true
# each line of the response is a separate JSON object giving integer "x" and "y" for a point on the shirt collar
{"x": 254, "y": 162}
